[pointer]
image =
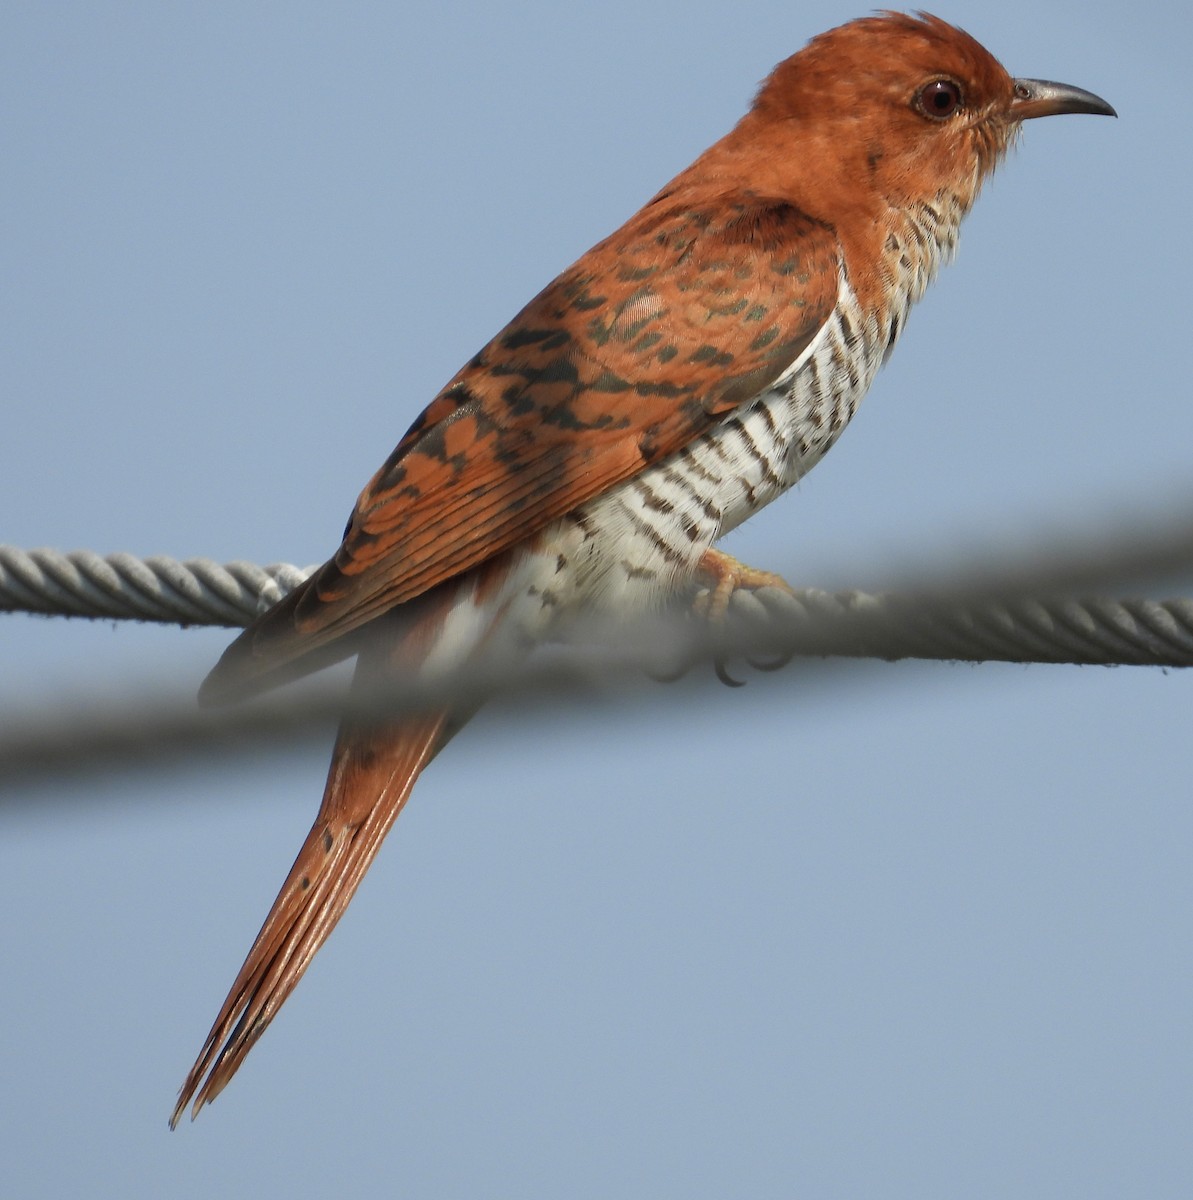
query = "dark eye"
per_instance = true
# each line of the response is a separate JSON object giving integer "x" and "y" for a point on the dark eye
{"x": 939, "y": 99}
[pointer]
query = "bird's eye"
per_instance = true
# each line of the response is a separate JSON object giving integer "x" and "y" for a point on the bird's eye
{"x": 939, "y": 99}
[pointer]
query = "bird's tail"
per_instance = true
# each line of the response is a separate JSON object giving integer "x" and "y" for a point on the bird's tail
{"x": 373, "y": 769}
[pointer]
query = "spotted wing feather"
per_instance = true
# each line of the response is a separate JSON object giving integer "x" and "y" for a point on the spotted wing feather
{"x": 694, "y": 306}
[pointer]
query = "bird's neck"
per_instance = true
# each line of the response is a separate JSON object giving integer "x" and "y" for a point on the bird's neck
{"x": 893, "y": 240}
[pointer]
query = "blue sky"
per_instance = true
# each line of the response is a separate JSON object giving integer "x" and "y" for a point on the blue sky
{"x": 912, "y": 931}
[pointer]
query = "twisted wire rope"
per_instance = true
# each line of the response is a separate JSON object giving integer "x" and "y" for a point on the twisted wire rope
{"x": 888, "y": 626}
{"x": 197, "y": 591}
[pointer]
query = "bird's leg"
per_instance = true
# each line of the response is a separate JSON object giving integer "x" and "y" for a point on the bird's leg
{"x": 723, "y": 575}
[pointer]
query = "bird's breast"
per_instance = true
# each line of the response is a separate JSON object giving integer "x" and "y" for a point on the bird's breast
{"x": 630, "y": 547}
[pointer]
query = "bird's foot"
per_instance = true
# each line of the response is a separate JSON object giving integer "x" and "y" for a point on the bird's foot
{"x": 722, "y": 575}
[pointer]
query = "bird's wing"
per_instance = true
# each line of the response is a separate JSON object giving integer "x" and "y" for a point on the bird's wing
{"x": 687, "y": 311}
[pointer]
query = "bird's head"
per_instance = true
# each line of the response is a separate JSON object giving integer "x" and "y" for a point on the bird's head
{"x": 909, "y": 104}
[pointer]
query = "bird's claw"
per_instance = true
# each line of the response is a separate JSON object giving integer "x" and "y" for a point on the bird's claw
{"x": 724, "y": 575}
{"x": 721, "y": 667}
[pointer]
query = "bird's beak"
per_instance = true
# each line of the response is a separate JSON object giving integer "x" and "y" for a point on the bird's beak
{"x": 1041, "y": 98}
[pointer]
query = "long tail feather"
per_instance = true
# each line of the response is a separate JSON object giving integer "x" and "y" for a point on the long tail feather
{"x": 373, "y": 769}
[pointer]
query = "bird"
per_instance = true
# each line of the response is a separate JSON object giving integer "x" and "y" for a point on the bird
{"x": 678, "y": 377}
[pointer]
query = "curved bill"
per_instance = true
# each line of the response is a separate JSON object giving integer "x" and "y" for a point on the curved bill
{"x": 1043, "y": 98}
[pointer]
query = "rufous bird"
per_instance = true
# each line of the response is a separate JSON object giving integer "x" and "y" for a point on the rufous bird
{"x": 683, "y": 373}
